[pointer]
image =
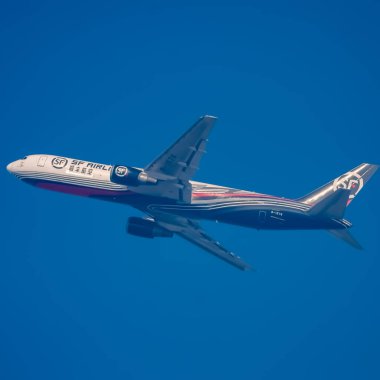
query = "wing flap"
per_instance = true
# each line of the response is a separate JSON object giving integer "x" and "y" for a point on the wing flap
{"x": 174, "y": 168}
{"x": 191, "y": 231}
{"x": 181, "y": 160}
{"x": 214, "y": 247}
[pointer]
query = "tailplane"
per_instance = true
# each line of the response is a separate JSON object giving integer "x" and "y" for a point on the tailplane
{"x": 353, "y": 181}
{"x": 346, "y": 236}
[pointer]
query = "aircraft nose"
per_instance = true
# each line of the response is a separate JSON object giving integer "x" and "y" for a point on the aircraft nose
{"x": 10, "y": 167}
{"x": 14, "y": 166}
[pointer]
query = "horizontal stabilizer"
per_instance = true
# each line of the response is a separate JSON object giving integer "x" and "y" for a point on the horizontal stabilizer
{"x": 333, "y": 206}
{"x": 347, "y": 237}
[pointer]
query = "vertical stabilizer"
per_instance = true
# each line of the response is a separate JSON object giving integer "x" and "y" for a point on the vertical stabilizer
{"x": 354, "y": 180}
{"x": 332, "y": 206}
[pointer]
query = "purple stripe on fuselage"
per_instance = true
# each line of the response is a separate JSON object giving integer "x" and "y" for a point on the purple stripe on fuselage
{"x": 75, "y": 189}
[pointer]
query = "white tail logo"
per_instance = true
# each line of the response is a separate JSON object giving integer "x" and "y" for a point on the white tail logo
{"x": 351, "y": 181}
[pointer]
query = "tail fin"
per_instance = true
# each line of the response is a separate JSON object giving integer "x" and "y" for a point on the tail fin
{"x": 354, "y": 180}
{"x": 333, "y": 205}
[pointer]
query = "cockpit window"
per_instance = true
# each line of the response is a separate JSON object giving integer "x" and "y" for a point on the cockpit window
{"x": 25, "y": 157}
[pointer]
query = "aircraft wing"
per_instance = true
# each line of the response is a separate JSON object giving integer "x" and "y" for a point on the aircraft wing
{"x": 191, "y": 231}
{"x": 181, "y": 160}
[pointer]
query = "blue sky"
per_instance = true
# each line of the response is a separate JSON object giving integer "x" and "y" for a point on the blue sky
{"x": 296, "y": 87}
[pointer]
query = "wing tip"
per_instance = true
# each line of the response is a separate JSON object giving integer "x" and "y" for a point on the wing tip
{"x": 247, "y": 268}
{"x": 209, "y": 117}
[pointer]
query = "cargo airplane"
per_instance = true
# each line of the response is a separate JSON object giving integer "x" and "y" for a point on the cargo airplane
{"x": 174, "y": 204}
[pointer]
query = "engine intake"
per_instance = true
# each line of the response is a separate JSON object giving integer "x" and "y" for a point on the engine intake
{"x": 127, "y": 175}
{"x": 146, "y": 228}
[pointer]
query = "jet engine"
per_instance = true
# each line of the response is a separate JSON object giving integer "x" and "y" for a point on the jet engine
{"x": 146, "y": 228}
{"x": 127, "y": 175}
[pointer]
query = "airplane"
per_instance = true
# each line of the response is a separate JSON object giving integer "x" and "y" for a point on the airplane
{"x": 174, "y": 204}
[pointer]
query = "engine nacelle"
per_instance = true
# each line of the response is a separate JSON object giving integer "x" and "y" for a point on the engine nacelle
{"x": 129, "y": 176}
{"x": 146, "y": 228}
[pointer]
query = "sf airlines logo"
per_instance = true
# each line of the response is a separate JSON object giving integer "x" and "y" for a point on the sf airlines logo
{"x": 350, "y": 180}
{"x": 121, "y": 171}
{"x": 59, "y": 162}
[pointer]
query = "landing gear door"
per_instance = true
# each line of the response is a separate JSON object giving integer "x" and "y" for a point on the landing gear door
{"x": 41, "y": 161}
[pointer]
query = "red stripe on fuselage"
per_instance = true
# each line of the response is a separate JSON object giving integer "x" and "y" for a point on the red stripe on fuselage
{"x": 236, "y": 195}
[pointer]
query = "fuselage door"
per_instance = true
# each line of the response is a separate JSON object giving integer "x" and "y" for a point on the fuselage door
{"x": 41, "y": 161}
{"x": 262, "y": 216}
